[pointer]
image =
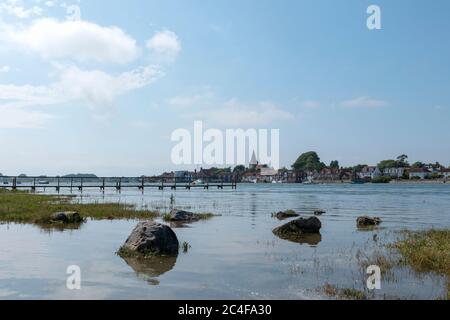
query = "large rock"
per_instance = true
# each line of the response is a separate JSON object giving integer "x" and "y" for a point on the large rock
{"x": 282, "y": 215}
{"x": 299, "y": 227}
{"x": 152, "y": 238}
{"x": 368, "y": 221}
{"x": 67, "y": 217}
{"x": 182, "y": 216}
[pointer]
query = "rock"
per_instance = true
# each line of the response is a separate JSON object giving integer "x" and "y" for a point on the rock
{"x": 319, "y": 212}
{"x": 182, "y": 216}
{"x": 368, "y": 221}
{"x": 151, "y": 238}
{"x": 299, "y": 227}
{"x": 282, "y": 215}
{"x": 67, "y": 217}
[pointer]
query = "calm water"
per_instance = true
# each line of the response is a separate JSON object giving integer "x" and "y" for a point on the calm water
{"x": 233, "y": 256}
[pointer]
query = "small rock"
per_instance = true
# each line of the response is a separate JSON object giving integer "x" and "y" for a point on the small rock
{"x": 67, "y": 217}
{"x": 319, "y": 212}
{"x": 152, "y": 238}
{"x": 182, "y": 216}
{"x": 368, "y": 221}
{"x": 282, "y": 215}
{"x": 300, "y": 226}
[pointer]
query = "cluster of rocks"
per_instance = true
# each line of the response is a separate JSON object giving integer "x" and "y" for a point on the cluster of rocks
{"x": 366, "y": 221}
{"x": 283, "y": 215}
{"x": 67, "y": 217}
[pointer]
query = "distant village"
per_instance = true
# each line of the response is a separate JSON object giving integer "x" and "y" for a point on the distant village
{"x": 309, "y": 169}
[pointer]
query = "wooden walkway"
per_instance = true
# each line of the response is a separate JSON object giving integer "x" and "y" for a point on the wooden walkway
{"x": 103, "y": 183}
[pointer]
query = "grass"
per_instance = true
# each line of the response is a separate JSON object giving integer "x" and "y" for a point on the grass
{"x": 25, "y": 207}
{"x": 124, "y": 252}
{"x": 186, "y": 246}
{"x": 345, "y": 293}
{"x": 427, "y": 251}
{"x": 423, "y": 251}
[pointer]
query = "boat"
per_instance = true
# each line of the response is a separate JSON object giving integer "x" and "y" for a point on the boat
{"x": 198, "y": 182}
{"x": 43, "y": 182}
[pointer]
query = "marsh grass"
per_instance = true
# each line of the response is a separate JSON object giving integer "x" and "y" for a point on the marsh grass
{"x": 25, "y": 207}
{"x": 344, "y": 293}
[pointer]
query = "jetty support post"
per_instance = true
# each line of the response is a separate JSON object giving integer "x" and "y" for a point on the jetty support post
{"x": 58, "y": 186}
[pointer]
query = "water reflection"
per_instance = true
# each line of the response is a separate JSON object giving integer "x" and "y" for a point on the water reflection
{"x": 311, "y": 239}
{"x": 149, "y": 269}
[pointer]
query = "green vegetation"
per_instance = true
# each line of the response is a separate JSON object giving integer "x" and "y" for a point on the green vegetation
{"x": 345, "y": 293}
{"x": 334, "y": 164}
{"x": 128, "y": 253}
{"x": 401, "y": 162}
{"x": 25, "y": 207}
{"x": 308, "y": 161}
{"x": 186, "y": 246}
{"x": 427, "y": 251}
{"x": 424, "y": 252}
{"x": 382, "y": 179}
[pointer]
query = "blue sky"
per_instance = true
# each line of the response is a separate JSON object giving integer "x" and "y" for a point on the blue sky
{"x": 103, "y": 93}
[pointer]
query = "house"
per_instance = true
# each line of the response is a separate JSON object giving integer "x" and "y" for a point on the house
{"x": 329, "y": 174}
{"x": 250, "y": 177}
{"x": 394, "y": 172}
{"x": 445, "y": 173}
{"x": 268, "y": 175}
{"x": 183, "y": 176}
{"x": 366, "y": 172}
{"x": 419, "y": 173}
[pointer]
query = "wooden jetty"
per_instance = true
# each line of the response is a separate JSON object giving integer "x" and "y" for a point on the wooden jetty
{"x": 103, "y": 183}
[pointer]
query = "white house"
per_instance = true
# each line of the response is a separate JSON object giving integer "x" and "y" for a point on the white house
{"x": 394, "y": 172}
{"x": 370, "y": 173}
{"x": 421, "y": 173}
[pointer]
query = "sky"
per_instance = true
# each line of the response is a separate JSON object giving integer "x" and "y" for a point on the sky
{"x": 99, "y": 86}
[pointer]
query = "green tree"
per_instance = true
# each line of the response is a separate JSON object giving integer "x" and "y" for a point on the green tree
{"x": 239, "y": 168}
{"x": 418, "y": 165}
{"x": 402, "y": 161}
{"x": 359, "y": 167}
{"x": 308, "y": 161}
{"x": 334, "y": 164}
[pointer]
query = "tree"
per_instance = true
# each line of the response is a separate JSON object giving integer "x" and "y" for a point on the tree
{"x": 418, "y": 165}
{"x": 401, "y": 161}
{"x": 359, "y": 167}
{"x": 387, "y": 164}
{"x": 308, "y": 161}
{"x": 239, "y": 169}
{"x": 334, "y": 164}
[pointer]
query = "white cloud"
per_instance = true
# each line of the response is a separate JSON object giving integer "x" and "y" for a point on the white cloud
{"x": 364, "y": 102}
{"x": 233, "y": 113}
{"x": 165, "y": 45}
{"x": 76, "y": 40}
{"x": 16, "y": 9}
{"x": 95, "y": 88}
{"x": 5, "y": 69}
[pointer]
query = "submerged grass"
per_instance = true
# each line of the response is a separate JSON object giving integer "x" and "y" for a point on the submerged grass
{"x": 344, "y": 293}
{"x": 25, "y": 207}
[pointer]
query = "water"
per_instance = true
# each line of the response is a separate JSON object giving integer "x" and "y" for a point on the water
{"x": 232, "y": 256}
